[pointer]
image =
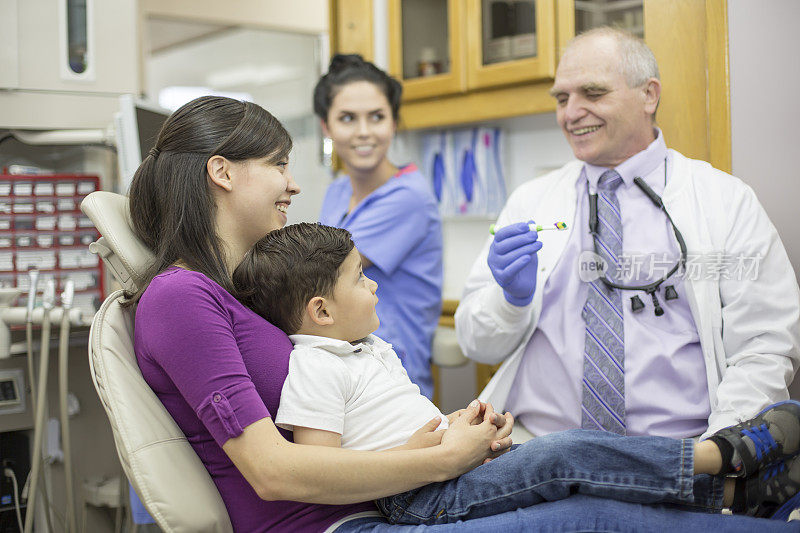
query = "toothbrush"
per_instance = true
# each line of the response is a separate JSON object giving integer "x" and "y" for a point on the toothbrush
{"x": 558, "y": 226}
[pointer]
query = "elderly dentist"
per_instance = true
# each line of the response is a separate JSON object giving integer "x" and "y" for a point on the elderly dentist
{"x": 689, "y": 352}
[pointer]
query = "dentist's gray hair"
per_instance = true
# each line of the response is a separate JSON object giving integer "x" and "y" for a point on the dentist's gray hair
{"x": 638, "y": 63}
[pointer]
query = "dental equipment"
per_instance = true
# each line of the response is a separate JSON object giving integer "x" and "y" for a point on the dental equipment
{"x": 66, "y": 137}
{"x": 33, "y": 279}
{"x": 7, "y": 297}
{"x": 48, "y": 299}
{"x": 558, "y": 226}
{"x": 63, "y": 375}
{"x": 30, "y": 315}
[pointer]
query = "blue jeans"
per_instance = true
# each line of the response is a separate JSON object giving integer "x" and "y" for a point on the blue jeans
{"x": 579, "y": 470}
{"x": 581, "y": 513}
{"x": 596, "y": 463}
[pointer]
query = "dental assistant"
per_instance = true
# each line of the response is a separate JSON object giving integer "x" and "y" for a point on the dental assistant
{"x": 390, "y": 211}
{"x": 710, "y": 347}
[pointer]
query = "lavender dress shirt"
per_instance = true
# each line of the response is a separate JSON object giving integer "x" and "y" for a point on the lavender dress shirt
{"x": 666, "y": 392}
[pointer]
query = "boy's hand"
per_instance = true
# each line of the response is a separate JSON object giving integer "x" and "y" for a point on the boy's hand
{"x": 504, "y": 425}
{"x": 469, "y": 438}
{"x": 487, "y": 412}
{"x": 475, "y": 404}
{"x": 426, "y": 436}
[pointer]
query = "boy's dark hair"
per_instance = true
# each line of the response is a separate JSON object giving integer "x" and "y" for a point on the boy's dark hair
{"x": 171, "y": 204}
{"x": 288, "y": 267}
{"x": 348, "y": 68}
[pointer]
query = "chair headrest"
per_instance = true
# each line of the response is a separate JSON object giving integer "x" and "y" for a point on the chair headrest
{"x": 121, "y": 250}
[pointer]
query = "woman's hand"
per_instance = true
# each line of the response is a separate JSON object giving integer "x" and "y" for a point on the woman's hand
{"x": 425, "y": 437}
{"x": 469, "y": 438}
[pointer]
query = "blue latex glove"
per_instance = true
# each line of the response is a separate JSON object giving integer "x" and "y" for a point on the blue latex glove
{"x": 513, "y": 262}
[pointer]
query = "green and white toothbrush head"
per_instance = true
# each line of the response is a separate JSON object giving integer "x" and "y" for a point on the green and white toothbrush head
{"x": 557, "y": 226}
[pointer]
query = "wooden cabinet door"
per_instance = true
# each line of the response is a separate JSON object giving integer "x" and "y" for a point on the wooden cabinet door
{"x": 426, "y": 47}
{"x": 510, "y": 42}
{"x": 351, "y": 27}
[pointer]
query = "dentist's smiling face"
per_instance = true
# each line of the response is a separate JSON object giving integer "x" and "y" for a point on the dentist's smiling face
{"x": 604, "y": 120}
{"x": 361, "y": 126}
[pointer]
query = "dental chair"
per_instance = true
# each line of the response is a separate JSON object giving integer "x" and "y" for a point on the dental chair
{"x": 161, "y": 465}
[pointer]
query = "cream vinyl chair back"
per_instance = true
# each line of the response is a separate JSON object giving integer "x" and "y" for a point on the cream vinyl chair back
{"x": 167, "y": 475}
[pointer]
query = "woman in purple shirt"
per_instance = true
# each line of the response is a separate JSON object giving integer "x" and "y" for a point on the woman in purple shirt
{"x": 215, "y": 183}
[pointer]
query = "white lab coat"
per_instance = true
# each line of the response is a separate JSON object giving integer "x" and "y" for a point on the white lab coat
{"x": 749, "y": 330}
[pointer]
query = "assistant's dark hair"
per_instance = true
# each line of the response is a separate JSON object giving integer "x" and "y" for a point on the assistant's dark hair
{"x": 289, "y": 266}
{"x": 347, "y": 68}
{"x": 171, "y": 203}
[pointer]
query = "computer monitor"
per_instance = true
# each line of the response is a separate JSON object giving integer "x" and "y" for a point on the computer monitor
{"x": 136, "y": 125}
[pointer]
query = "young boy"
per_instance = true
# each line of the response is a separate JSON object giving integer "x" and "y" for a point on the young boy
{"x": 345, "y": 387}
{"x": 343, "y": 382}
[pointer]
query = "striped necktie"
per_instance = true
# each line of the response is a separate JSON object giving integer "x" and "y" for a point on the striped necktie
{"x": 603, "y": 385}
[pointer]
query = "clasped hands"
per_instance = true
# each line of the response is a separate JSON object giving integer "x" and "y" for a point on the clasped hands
{"x": 475, "y": 426}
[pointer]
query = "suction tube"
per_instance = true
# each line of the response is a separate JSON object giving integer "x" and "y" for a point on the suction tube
{"x": 63, "y": 380}
{"x": 33, "y": 278}
{"x": 39, "y": 427}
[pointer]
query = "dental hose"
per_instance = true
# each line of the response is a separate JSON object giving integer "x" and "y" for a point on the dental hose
{"x": 63, "y": 380}
{"x": 36, "y": 466}
{"x": 33, "y": 277}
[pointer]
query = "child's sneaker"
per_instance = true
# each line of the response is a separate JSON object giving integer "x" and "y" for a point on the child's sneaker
{"x": 775, "y": 491}
{"x": 771, "y": 436}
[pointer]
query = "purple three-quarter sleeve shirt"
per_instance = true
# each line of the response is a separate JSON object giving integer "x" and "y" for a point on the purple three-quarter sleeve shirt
{"x": 218, "y": 367}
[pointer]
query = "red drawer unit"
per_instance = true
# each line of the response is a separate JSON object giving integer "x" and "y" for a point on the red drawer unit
{"x": 41, "y": 226}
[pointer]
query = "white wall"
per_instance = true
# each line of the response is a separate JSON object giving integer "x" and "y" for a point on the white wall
{"x": 301, "y": 16}
{"x": 279, "y": 70}
{"x": 764, "y": 111}
{"x": 764, "y": 42}
{"x": 532, "y": 145}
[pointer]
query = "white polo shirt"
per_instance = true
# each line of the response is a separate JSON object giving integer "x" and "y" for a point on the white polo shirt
{"x": 360, "y": 391}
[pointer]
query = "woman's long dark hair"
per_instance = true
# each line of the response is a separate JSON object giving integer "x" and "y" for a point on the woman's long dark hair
{"x": 171, "y": 203}
{"x": 348, "y": 68}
